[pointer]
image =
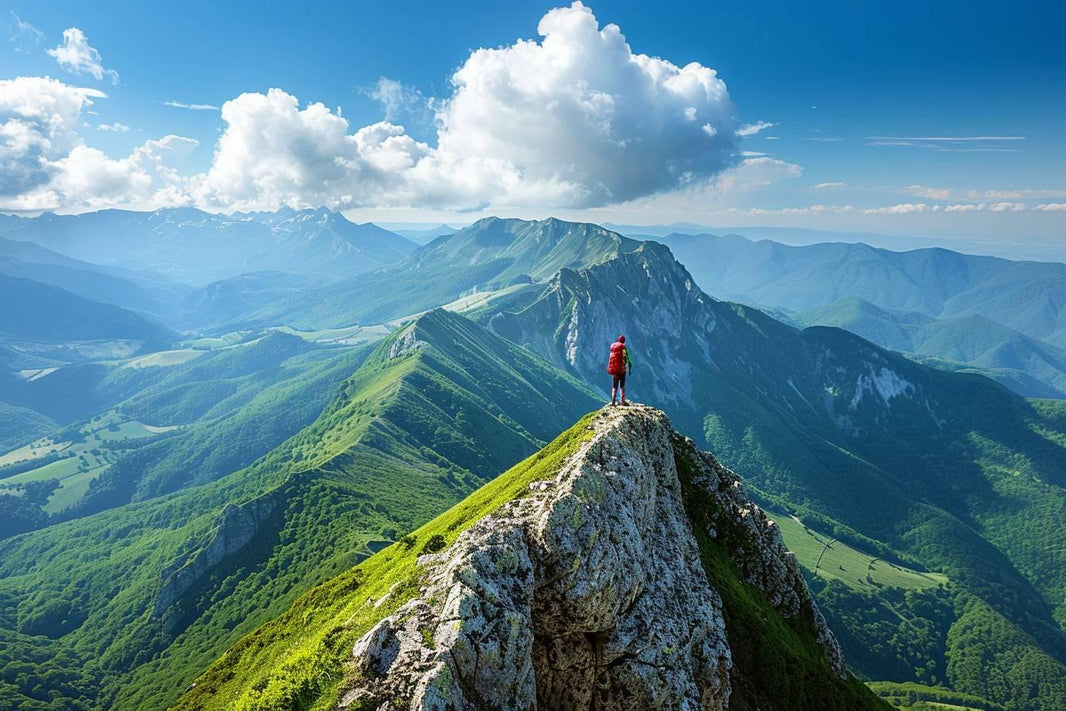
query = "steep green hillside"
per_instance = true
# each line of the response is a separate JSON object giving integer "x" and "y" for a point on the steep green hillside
{"x": 20, "y": 424}
{"x": 300, "y": 659}
{"x": 154, "y": 591}
{"x": 165, "y": 427}
{"x": 950, "y": 471}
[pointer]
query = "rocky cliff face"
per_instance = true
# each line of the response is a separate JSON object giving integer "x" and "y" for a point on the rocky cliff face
{"x": 591, "y": 592}
{"x": 236, "y": 527}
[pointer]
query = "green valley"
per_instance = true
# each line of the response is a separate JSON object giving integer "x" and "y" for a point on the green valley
{"x": 204, "y": 566}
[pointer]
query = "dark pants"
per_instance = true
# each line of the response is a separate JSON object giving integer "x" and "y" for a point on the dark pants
{"x": 619, "y": 380}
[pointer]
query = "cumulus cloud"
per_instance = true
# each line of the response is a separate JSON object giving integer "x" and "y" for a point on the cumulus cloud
{"x": 146, "y": 179}
{"x": 191, "y": 107}
{"x": 1051, "y": 207}
{"x": 38, "y": 124}
{"x": 115, "y": 127}
{"x": 750, "y": 129}
{"x": 77, "y": 56}
{"x": 45, "y": 164}
{"x": 574, "y": 120}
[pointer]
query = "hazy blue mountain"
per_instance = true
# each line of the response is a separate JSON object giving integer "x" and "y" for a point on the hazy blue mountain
{"x": 1013, "y": 249}
{"x": 131, "y": 289}
{"x": 195, "y": 247}
{"x": 490, "y": 254}
{"x": 229, "y": 300}
{"x": 1026, "y": 365}
{"x": 425, "y": 236}
{"x": 1024, "y": 296}
{"x": 32, "y": 310}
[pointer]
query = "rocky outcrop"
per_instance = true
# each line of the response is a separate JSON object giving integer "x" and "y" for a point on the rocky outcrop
{"x": 236, "y": 527}
{"x": 588, "y": 593}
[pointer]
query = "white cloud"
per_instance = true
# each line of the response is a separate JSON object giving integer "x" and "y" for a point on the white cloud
{"x": 148, "y": 178}
{"x": 24, "y": 36}
{"x": 575, "y": 120}
{"x": 750, "y": 129}
{"x": 1006, "y": 207}
{"x": 77, "y": 56}
{"x": 1051, "y": 207}
{"x": 115, "y": 127}
{"x": 829, "y": 186}
{"x": 949, "y": 144}
{"x": 38, "y": 124}
{"x": 45, "y": 164}
{"x": 191, "y": 107}
{"x": 927, "y": 192}
{"x": 1014, "y": 194}
{"x": 400, "y": 102}
{"x": 942, "y": 139}
{"x": 824, "y": 139}
{"x": 754, "y": 173}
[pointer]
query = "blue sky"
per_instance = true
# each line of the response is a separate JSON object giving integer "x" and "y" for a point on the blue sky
{"x": 883, "y": 114}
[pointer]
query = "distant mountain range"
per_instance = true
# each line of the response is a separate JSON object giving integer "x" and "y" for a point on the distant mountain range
{"x": 193, "y": 247}
{"x": 489, "y": 255}
{"x": 1026, "y": 365}
{"x": 1015, "y": 311}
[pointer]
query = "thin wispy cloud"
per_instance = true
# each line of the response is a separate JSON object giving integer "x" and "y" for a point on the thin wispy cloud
{"x": 750, "y": 129}
{"x": 829, "y": 186}
{"x": 949, "y": 144}
{"x": 905, "y": 208}
{"x": 115, "y": 127}
{"x": 946, "y": 138}
{"x": 191, "y": 107}
{"x": 77, "y": 56}
{"x": 402, "y": 103}
{"x": 824, "y": 139}
{"x": 24, "y": 36}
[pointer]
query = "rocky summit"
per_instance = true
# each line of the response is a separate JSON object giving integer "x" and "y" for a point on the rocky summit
{"x": 597, "y": 590}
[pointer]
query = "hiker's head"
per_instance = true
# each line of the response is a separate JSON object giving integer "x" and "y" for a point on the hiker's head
{"x": 621, "y": 339}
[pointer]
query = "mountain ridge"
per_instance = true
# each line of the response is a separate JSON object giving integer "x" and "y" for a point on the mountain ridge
{"x": 609, "y": 490}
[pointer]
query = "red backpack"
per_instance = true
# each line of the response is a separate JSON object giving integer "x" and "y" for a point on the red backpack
{"x": 616, "y": 364}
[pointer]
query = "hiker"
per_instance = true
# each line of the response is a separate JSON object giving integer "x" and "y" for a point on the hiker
{"x": 618, "y": 365}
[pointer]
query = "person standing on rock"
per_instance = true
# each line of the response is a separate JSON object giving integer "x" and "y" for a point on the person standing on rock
{"x": 618, "y": 365}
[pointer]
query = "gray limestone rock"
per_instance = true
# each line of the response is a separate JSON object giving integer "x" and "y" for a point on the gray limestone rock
{"x": 589, "y": 593}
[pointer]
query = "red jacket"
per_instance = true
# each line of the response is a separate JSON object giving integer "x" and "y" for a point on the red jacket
{"x": 616, "y": 364}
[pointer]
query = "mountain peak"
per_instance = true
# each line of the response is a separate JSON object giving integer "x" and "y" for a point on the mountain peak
{"x": 567, "y": 596}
